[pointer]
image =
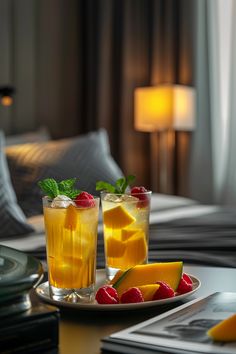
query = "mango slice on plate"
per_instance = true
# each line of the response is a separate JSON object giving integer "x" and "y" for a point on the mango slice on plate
{"x": 114, "y": 247}
{"x": 169, "y": 272}
{"x": 224, "y": 331}
{"x": 117, "y": 218}
{"x": 148, "y": 291}
{"x": 71, "y": 218}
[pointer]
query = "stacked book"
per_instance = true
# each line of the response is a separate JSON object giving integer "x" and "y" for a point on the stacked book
{"x": 24, "y": 327}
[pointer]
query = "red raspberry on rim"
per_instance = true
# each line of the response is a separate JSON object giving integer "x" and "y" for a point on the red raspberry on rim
{"x": 85, "y": 200}
{"x": 131, "y": 295}
{"x": 164, "y": 292}
{"x": 185, "y": 284}
{"x": 139, "y": 192}
{"x": 107, "y": 295}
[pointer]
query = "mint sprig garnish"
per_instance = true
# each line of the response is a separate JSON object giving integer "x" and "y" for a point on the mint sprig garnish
{"x": 52, "y": 188}
{"x": 120, "y": 185}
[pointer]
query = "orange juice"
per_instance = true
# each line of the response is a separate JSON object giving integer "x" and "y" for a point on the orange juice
{"x": 71, "y": 241}
{"x": 126, "y": 231}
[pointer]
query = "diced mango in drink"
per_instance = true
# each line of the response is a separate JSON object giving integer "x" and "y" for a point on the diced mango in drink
{"x": 148, "y": 291}
{"x": 71, "y": 218}
{"x": 224, "y": 331}
{"x": 117, "y": 218}
{"x": 114, "y": 247}
{"x": 127, "y": 233}
{"x": 135, "y": 250}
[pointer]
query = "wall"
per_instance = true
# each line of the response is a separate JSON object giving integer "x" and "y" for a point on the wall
{"x": 38, "y": 46}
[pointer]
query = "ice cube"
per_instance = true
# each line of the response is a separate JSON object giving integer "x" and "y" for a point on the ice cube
{"x": 114, "y": 198}
{"x": 128, "y": 198}
{"x": 61, "y": 201}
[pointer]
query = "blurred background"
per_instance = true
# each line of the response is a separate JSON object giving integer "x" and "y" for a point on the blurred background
{"x": 74, "y": 66}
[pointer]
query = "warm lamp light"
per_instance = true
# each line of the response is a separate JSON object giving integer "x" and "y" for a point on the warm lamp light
{"x": 164, "y": 107}
{"x": 6, "y": 95}
{"x": 164, "y": 110}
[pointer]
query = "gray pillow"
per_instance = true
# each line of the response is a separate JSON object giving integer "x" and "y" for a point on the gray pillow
{"x": 42, "y": 134}
{"x": 12, "y": 219}
{"x": 86, "y": 157}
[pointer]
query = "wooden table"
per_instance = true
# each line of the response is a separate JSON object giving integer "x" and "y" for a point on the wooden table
{"x": 81, "y": 331}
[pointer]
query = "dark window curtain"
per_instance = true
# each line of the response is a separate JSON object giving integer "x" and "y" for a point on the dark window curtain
{"x": 124, "y": 44}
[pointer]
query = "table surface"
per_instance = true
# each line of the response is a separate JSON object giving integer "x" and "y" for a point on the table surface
{"x": 81, "y": 331}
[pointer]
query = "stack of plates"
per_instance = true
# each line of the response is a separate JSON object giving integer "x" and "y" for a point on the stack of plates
{"x": 19, "y": 272}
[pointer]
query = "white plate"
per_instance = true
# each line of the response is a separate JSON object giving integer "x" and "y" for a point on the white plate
{"x": 43, "y": 292}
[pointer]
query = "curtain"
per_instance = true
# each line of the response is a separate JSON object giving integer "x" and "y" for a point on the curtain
{"x": 125, "y": 44}
{"x": 213, "y": 168}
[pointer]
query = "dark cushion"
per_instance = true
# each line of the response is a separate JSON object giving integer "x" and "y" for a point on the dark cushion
{"x": 12, "y": 219}
{"x": 86, "y": 157}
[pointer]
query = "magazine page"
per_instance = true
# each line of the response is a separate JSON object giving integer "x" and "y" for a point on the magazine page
{"x": 185, "y": 327}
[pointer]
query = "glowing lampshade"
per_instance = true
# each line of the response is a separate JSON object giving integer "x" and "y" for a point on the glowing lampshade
{"x": 164, "y": 107}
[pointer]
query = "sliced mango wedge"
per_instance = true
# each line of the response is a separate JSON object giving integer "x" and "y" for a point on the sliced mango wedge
{"x": 148, "y": 291}
{"x": 136, "y": 249}
{"x": 71, "y": 218}
{"x": 170, "y": 272}
{"x": 117, "y": 218}
{"x": 127, "y": 233}
{"x": 114, "y": 247}
{"x": 224, "y": 331}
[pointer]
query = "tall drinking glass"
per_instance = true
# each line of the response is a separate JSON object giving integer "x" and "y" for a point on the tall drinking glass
{"x": 126, "y": 230}
{"x": 71, "y": 243}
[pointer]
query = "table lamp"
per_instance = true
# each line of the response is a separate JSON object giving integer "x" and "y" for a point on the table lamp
{"x": 6, "y": 95}
{"x": 163, "y": 110}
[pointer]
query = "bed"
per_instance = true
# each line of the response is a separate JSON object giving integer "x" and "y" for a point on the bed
{"x": 180, "y": 228}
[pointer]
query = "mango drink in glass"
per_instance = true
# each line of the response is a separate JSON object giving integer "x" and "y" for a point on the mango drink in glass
{"x": 71, "y": 243}
{"x": 126, "y": 230}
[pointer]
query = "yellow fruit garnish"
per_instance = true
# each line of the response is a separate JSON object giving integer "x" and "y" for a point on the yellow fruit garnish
{"x": 136, "y": 249}
{"x": 115, "y": 248}
{"x": 224, "y": 331}
{"x": 127, "y": 233}
{"x": 71, "y": 218}
{"x": 148, "y": 291}
{"x": 170, "y": 272}
{"x": 117, "y": 218}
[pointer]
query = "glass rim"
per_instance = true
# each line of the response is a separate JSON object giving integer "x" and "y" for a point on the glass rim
{"x": 141, "y": 193}
{"x": 46, "y": 198}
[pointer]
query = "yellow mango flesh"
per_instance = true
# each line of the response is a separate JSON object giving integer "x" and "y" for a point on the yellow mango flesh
{"x": 148, "y": 291}
{"x": 136, "y": 250}
{"x": 71, "y": 218}
{"x": 117, "y": 218}
{"x": 115, "y": 248}
{"x": 127, "y": 233}
{"x": 224, "y": 331}
{"x": 169, "y": 272}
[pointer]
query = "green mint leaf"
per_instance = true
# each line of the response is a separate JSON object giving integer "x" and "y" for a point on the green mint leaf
{"x": 73, "y": 193}
{"x": 120, "y": 185}
{"x": 104, "y": 186}
{"x": 66, "y": 185}
{"x": 130, "y": 179}
{"x": 49, "y": 187}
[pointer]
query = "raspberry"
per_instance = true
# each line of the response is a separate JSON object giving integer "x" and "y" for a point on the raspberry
{"x": 131, "y": 295}
{"x": 184, "y": 286}
{"x": 85, "y": 200}
{"x": 107, "y": 295}
{"x": 187, "y": 278}
{"x": 164, "y": 292}
{"x": 138, "y": 192}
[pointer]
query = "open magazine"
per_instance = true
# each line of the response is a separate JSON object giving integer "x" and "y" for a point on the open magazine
{"x": 182, "y": 330}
